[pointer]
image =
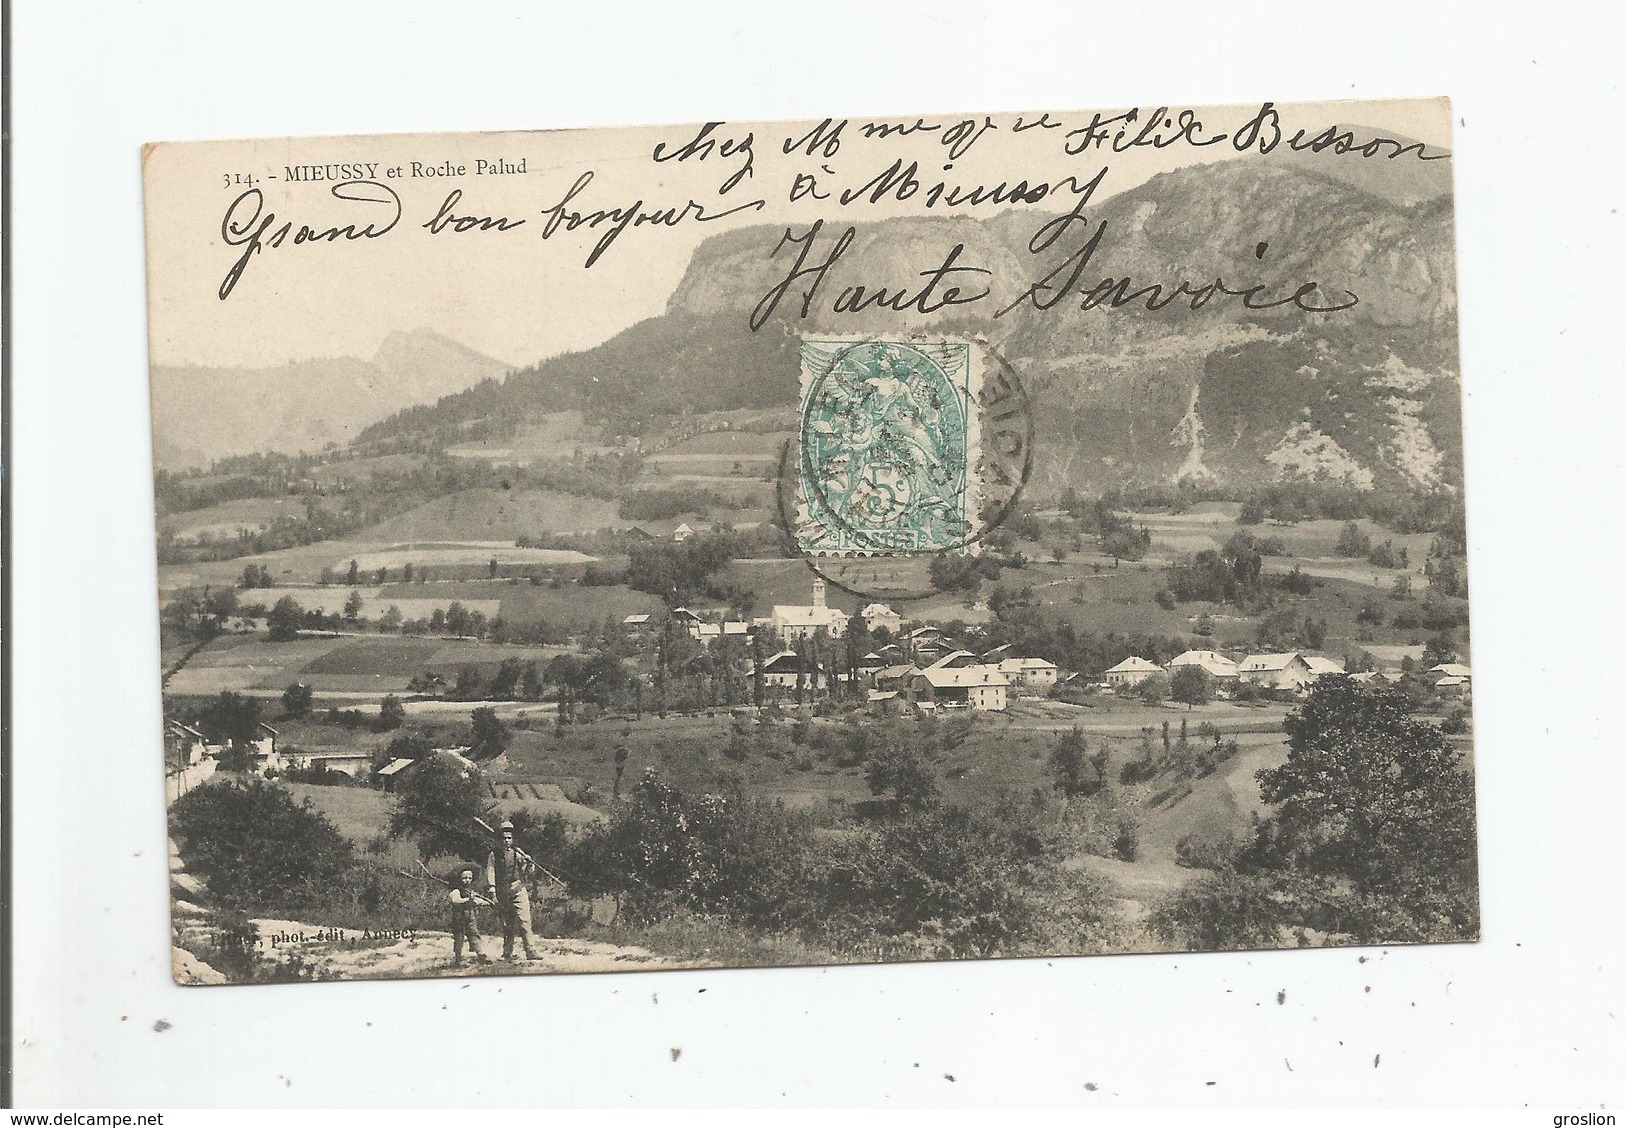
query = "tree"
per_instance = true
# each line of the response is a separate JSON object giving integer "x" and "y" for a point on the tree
{"x": 297, "y": 699}
{"x": 391, "y": 713}
{"x": 1440, "y": 650}
{"x": 900, "y": 763}
{"x": 232, "y": 717}
{"x": 1372, "y": 796}
{"x": 1154, "y": 689}
{"x": 488, "y": 738}
{"x": 352, "y": 607}
{"x": 436, "y": 806}
{"x": 1073, "y": 770}
{"x": 353, "y": 575}
{"x": 1191, "y": 685}
{"x": 390, "y": 621}
{"x": 284, "y": 619}
{"x": 254, "y": 846}
{"x": 1353, "y": 541}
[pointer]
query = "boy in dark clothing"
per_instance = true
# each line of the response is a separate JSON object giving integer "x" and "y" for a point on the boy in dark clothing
{"x": 464, "y": 926}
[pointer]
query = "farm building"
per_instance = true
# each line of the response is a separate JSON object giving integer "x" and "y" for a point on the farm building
{"x": 1276, "y": 671}
{"x": 1320, "y": 667}
{"x": 1131, "y": 671}
{"x": 1452, "y": 670}
{"x": 796, "y": 622}
{"x": 682, "y": 533}
{"x": 982, "y": 688}
{"x": 1217, "y": 665}
{"x": 1034, "y": 674}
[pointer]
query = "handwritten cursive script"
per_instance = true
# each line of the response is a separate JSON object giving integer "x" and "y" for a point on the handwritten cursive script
{"x": 248, "y": 225}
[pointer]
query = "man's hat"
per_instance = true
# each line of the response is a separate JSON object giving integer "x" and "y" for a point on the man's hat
{"x": 506, "y": 825}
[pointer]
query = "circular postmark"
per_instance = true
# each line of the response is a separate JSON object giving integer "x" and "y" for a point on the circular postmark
{"x": 906, "y": 449}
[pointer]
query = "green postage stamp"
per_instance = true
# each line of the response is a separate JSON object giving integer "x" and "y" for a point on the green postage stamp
{"x": 888, "y": 446}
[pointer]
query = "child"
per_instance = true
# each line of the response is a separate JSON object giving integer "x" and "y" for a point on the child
{"x": 463, "y": 924}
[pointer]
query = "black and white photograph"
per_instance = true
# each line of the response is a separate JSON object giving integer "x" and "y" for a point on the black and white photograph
{"x": 842, "y": 541}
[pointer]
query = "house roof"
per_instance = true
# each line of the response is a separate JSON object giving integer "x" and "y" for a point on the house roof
{"x": 882, "y": 694}
{"x": 1134, "y": 665}
{"x": 634, "y": 620}
{"x": 997, "y": 654}
{"x": 685, "y": 614}
{"x": 735, "y": 628}
{"x": 953, "y": 656}
{"x": 395, "y": 766}
{"x": 1210, "y": 660}
{"x": 961, "y": 677}
{"x": 1451, "y": 669}
{"x": 188, "y": 730}
{"x": 872, "y": 659}
{"x": 268, "y": 728}
{"x": 902, "y": 671}
{"x": 919, "y": 632}
{"x": 877, "y": 609}
{"x": 1320, "y": 665}
{"x": 1016, "y": 665}
{"x": 1268, "y": 663}
{"x": 1445, "y": 681}
{"x": 792, "y": 615}
{"x": 787, "y": 658}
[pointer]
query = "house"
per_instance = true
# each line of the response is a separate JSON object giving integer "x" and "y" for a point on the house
{"x": 1131, "y": 671}
{"x": 1373, "y": 677}
{"x": 954, "y": 660}
{"x": 354, "y": 764}
{"x": 895, "y": 677}
{"x": 787, "y": 669}
{"x": 1320, "y": 667}
{"x": 794, "y": 622}
{"x": 389, "y": 776}
{"x": 1218, "y": 667}
{"x": 681, "y": 533}
{"x": 1276, "y": 671}
{"x": 999, "y": 654}
{"x": 878, "y": 615}
{"x": 870, "y": 665}
{"x": 1033, "y": 674}
{"x": 262, "y": 750}
{"x": 186, "y": 746}
{"x": 1452, "y": 670}
{"x": 893, "y": 654}
{"x": 1454, "y": 686}
{"x": 982, "y": 688}
{"x": 884, "y": 701}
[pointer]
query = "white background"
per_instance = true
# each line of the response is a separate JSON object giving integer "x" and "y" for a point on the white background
{"x": 1533, "y": 1014}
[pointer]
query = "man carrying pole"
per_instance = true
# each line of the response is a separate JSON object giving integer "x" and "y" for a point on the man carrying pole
{"x": 507, "y": 872}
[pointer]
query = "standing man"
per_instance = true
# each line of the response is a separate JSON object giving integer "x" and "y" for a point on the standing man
{"x": 507, "y": 869}
{"x": 463, "y": 924}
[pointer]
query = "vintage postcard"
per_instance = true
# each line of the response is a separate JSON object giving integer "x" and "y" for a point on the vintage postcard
{"x": 848, "y": 540}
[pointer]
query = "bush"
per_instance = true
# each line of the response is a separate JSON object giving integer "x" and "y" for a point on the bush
{"x": 1127, "y": 843}
{"x": 1204, "y": 853}
{"x": 1225, "y": 911}
{"x": 253, "y": 845}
